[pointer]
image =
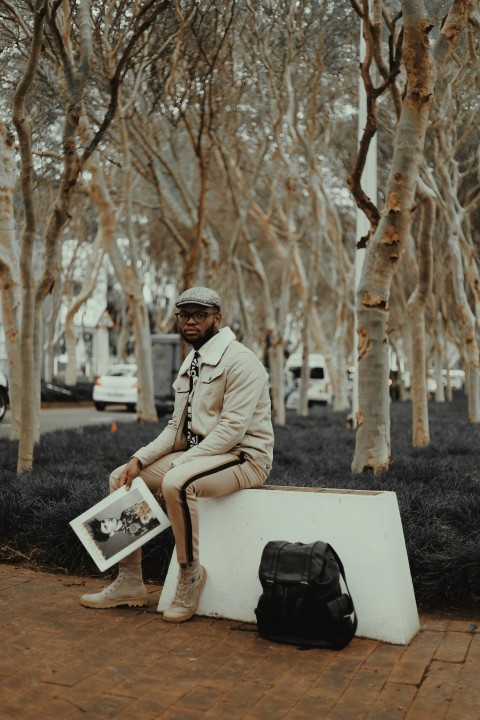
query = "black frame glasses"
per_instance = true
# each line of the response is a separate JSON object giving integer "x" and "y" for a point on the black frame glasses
{"x": 198, "y": 317}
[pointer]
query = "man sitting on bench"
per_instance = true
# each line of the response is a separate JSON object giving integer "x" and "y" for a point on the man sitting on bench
{"x": 219, "y": 440}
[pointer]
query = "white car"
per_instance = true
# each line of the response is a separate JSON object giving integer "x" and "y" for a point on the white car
{"x": 319, "y": 388}
{"x": 3, "y": 396}
{"x": 457, "y": 380}
{"x": 117, "y": 387}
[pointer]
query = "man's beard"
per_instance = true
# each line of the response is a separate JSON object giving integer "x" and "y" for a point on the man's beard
{"x": 207, "y": 334}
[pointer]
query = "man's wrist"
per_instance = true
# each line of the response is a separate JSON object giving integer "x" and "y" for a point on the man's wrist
{"x": 139, "y": 463}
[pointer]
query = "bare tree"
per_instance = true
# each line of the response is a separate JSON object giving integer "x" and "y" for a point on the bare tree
{"x": 416, "y": 309}
{"x": 64, "y": 30}
{"x": 9, "y": 271}
{"x": 372, "y": 449}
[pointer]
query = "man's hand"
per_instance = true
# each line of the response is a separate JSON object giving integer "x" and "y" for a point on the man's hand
{"x": 129, "y": 472}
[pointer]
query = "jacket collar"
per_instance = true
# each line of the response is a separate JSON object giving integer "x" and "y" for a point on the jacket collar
{"x": 213, "y": 351}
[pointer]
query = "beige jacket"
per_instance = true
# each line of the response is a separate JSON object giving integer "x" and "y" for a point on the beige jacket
{"x": 230, "y": 407}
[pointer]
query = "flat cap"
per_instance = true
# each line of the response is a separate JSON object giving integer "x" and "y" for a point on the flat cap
{"x": 199, "y": 296}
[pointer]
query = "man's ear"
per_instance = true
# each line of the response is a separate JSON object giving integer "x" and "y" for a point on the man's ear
{"x": 217, "y": 319}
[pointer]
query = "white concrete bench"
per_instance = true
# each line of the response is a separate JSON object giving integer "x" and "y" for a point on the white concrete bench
{"x": 364, "y": 528}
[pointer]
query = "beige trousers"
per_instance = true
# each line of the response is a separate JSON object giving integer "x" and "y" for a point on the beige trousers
{"x": 212, "y": 476}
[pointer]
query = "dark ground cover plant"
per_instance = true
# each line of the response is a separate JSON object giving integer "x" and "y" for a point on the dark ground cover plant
{"x": 438, "y": 491}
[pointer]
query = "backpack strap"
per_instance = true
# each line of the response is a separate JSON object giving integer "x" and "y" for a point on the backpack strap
{"x": 304, "y": 585}
{"x": 272, "y": 572}
{"x": 269, "y": 586}
{"x": 343, "y": 605}
{"x": 307, "y": 564}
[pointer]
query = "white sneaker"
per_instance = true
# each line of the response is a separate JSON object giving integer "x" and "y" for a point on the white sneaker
{"x": 187, "y": 597}
{"x": 127, "y": 589}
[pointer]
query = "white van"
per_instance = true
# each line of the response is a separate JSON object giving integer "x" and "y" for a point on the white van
{"x": 319, "y": 389}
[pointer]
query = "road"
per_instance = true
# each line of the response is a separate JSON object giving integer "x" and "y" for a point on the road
{"x": 72, "y": 417}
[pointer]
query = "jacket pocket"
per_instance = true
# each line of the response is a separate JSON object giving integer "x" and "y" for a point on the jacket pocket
{"x": 181, "y": 385}
{"x": 212, "y": 386}
{"x": 209, "y": 376}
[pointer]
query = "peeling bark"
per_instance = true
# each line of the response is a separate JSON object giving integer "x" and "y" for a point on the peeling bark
{"x": 127, "y": 275}
{"x": 9, "y": 275}
{"x": 24, "y": 133}
{"x": 416, "y": 311}
{"x": 372, "y": 447}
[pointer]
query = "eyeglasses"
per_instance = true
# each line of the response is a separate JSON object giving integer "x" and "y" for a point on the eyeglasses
{"x": 197, "y": 317}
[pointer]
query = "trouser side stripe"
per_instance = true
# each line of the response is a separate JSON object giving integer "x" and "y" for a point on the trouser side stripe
{"x": 185, "y": 508}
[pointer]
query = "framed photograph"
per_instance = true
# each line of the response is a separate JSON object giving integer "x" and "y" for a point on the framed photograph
{"x": 119, "y": 524}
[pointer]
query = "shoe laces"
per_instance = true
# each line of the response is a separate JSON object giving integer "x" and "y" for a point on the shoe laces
{"x": 114, "y": 585}
{"x": 187, "y": 581}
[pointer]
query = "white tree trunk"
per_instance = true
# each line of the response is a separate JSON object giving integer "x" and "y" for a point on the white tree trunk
{"x": 340, "y": 377}
{"x": 9, "y": 275}
{"x": 418, "y": 386}
{"x": 416, "y": 310}
{"x": 27, "y": 346}
{"x": 305, "y": 370}
{"x": 127, "y": 275}
{"x": 51, "y": 337}
{"x": 92, "y": 269}
{"x": 440, "y": 387}
{"x": 372, "y": 448}
{"x": 469, "y": 330}
{"x": 277, "y": 365}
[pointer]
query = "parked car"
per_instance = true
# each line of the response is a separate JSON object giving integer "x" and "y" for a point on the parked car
{"x": 456, "y": 377}
{"x": 319, "y": 388}
{"x": 431, "y": 383}
{"x": 117, "y": 387}
{"x": 3, "y": 396}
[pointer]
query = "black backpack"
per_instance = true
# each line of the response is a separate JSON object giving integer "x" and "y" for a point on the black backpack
{"x": 302, "y": 602}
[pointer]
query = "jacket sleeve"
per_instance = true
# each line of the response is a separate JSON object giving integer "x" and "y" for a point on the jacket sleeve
{"x": 246, "y": 378}
{"x": 170, "y": 439}
{"x": 162, "y": 445}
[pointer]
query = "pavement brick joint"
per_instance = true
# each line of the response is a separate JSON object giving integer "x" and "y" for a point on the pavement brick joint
{"x": 60, "y": 660}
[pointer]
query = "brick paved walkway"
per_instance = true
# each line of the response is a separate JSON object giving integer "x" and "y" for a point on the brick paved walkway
{"x": 59, "y": 660}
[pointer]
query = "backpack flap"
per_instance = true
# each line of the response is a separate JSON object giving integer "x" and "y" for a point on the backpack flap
{"x": 305, "y": 565}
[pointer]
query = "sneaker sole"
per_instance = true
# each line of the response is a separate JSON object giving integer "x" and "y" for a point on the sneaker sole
{"x": 106, "y": 604}
{"x": 192, "y": 612}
